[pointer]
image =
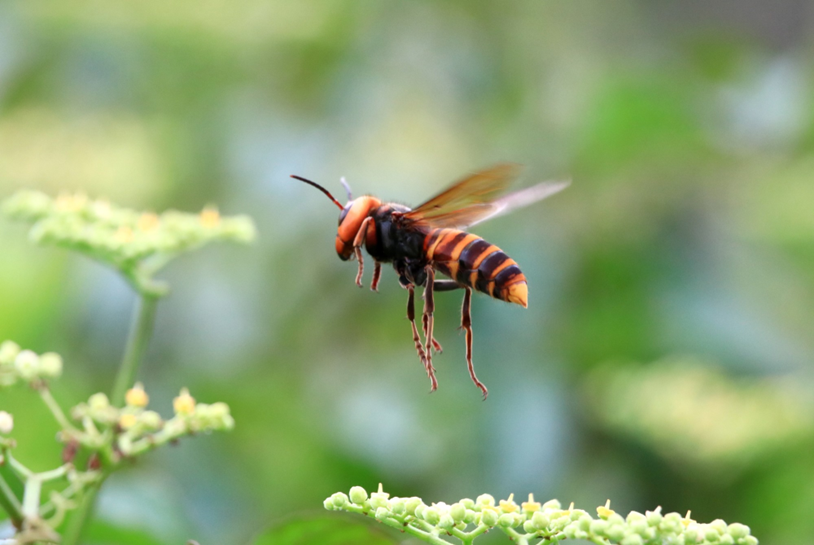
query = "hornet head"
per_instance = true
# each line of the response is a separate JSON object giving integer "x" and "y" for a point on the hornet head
{"x": 350, "y": 218}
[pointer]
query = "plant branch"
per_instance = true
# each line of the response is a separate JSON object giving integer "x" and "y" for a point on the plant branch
{"x": 10, "y": 503}
{"x": 56, "y": 410}
{"x": 141, "y": 330}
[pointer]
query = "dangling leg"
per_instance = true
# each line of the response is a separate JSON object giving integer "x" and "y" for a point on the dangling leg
{"x": 466, "y": 324}
{"x": 429, "y": 309}
{"x": 417, "y": 340}
{"x": 361, "y": 234}
{"x": 377, "y": 274}
{"x": 440, "y": 285}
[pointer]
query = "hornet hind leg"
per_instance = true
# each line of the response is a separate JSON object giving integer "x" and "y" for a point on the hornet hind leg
{"x": 417, "y": 340}
{"x": 466, "y": 324}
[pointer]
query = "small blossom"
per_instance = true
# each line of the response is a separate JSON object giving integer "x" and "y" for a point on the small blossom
{"x": 210, "y": 217}
{"x": 6, "y": 423}
{"x": 184, "y": 404}
{"x": 27, "y": 364}
{"x": 127, "y": 421}
{"x": 531, "y": 506}
{"x": 508, "y": 505}
{"x": 606, "y": 511}
{"x": 8, "y": 352}
{"x": 136, "y": 396}
{"x": 147, "y": 222}
{"x": 51, "y": 364}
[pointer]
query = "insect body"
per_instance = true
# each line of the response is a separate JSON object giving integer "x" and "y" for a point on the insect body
{"x": 431, "y": 238}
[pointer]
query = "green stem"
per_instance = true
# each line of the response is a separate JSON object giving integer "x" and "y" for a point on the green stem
{"x": 52, "y": 404}
{"x": 10, "y": 503}
{"x": 141, "y": 330}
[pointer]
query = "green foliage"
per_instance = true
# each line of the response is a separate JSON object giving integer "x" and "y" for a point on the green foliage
{"x": 323, "y": 530}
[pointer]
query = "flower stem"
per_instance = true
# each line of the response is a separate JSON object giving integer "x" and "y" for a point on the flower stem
{"x": 52, "y": 404}
{"x": 141, "y": 330}
{"x": 10, "y": 503}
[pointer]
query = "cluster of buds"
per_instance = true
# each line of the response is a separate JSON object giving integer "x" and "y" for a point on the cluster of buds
{"x": 467, "y": 519}
{"x": 661, "y": 405}
{"x": 137, "y": 429}
{"x": 17, "y": 364}
{"x": 136, "y": 243}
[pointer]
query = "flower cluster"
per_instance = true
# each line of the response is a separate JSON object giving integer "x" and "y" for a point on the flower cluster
{"x": 17, "y": 364}
{"x": 136, "y": 243}
{"x": 662, "y": 404}
{"x": 136, "y": 429}
{"x": 548, "y": 522}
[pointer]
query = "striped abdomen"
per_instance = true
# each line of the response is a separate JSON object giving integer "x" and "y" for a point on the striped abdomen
{"x": 473, "y": 262}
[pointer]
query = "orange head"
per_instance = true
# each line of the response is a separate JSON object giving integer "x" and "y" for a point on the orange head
{"x": 350, "y": 218}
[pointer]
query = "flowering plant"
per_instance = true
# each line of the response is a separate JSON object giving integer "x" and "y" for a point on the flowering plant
{"x": 99, "y": 435}
{"x": 532, "y": 522}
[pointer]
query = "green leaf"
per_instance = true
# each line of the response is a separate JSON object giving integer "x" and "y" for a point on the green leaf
{"x": 103, "y": 533}
{"x": 325, "y": 530}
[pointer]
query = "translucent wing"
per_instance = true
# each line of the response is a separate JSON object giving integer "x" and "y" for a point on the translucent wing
{"x": 478, "y": 198}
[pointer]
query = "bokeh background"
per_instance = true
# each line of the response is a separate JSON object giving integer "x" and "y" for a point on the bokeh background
{"x": 665, "y": 358}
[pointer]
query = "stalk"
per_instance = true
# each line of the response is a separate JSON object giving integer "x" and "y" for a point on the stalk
{"x": 141, "y": 329}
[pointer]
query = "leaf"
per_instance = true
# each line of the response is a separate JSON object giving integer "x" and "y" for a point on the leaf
{"x": 325, "y": 530}
{"x": 103, "y": 533}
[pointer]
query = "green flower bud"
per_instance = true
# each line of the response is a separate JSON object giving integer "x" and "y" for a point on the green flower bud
{"x": 540, "y": 520}
{"x": 616, "y": 532}
{"x": 377, "y": 499}
{"x": 711, "y": 535}
{"x": 419, "y": 510}
{"x": 150, "y": 420}
{"x": 470, "y": 516}
{"x": 510, "y": 520}
{"x": 6, "y": 423}
{"x": 431, "y": 515}
{"x": 446, "y": 522}
{"x": 457, "y": 511}
{"x": 328, "y": 505}
{"x": 727, "y": 539}
{"x": 552, "y": 504}
{"x": 632, "y": 539}
{"x": 599, "y": 527}
{"x": 719, "y": 526}
{"x": 738, "y": 530}
{"x": 748, "y": 540}
{"x": 488, "y": 517}
{"x": 411, "y": 505}
{"x": 577, "y": 514}
{"x": 468, "y": 503}
{"x": 51, "y": 364}
{"x": 358, "y": 495}
{"x": 27, "y": 364}
{"x": 691, "y": 535}
{"x": 635, "y": 516}
{"x": 382, "y": 513}
{"x": 654, "y": 518}
{"x": 397, "y": 506}
{"x": 98, "y": 402}
{"x": 486, "y": 500}
{"x": 529, "y": 528}
{"x": 638, "y": 527}
{"x": 570, "y": 531}
{"x": 584, "y": 522}
{"x": 339, "y": 500}
{"x": 8, "y": 352}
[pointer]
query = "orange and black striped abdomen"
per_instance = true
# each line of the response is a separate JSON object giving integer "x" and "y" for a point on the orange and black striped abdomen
{"x": 473, "y": 262}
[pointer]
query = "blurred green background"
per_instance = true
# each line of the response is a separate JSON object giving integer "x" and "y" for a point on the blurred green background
{"x": 665, "y": 358}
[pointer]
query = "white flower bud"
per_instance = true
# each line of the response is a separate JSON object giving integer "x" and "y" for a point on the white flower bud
{"x": 8, "y": 352}
{"x": 51, "y": 364}
{"x": 6, "y": 423}
{"x": 27, "y": 364}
